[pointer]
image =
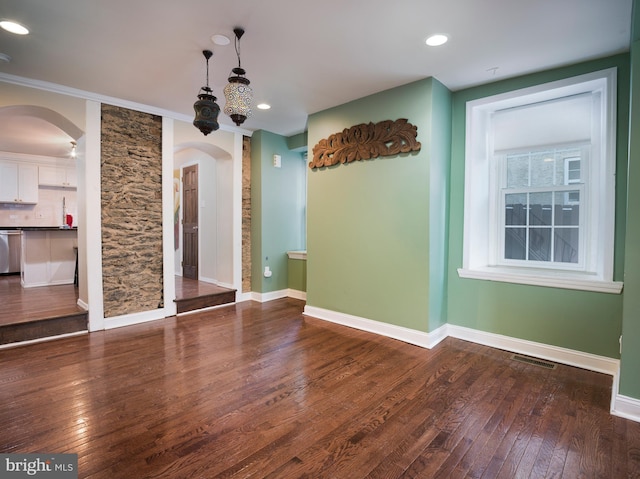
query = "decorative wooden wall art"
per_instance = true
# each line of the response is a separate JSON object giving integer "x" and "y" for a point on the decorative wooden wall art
{"x": 366, "y": 141}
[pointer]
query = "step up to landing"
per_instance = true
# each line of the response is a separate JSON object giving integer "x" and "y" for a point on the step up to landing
{"x": 205, "y": 301}
{"x": 43, "y": 328}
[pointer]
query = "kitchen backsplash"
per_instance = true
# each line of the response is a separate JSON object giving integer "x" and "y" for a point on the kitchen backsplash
{"x": 48, "y": 211}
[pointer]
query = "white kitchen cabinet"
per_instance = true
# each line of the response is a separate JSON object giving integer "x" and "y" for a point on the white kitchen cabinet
{"x": 63, "y": 176}
{"x": 18, "y": 183}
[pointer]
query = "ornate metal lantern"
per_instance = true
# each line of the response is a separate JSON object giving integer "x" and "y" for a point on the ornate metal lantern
{"x": 206, "y": 108}
{"x": 238, "y": 93}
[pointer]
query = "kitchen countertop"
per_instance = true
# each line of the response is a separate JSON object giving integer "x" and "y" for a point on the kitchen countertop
{"x": 38, "y": 228}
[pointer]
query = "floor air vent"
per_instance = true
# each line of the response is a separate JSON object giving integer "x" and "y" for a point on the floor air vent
{"x": 534, "y": 361}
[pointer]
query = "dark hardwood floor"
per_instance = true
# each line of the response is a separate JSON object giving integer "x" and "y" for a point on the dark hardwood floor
{"x": 22, "y": 305}
{"x": 28, "y": 314}
{"x": 34, "y": 313}
{"x": 263, "y": 391}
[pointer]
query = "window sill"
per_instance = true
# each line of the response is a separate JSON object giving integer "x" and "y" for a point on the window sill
{"x": 297, "y": 254}
{"x": 550, "y": 280}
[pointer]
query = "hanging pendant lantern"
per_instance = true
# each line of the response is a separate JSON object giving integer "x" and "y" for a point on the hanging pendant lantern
{"x": 238, "y": 94}
{"x": 206, "y": 108}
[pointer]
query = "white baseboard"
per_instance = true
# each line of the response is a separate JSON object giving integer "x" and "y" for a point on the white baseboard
{"x": 296, "y": 294}
{"x": 134, "y": 318}
{"x": 241, "y": 297}
{"x": 264, "y": 297}
{"x": 411, "y": 336}
{"x": 82, "y": 304}
{"x": 438, "y": 335}
{"x": 216, "y": 282}
{"x": 46, "y": 283}
{"x": 626, "y": 407}
{"x": 556, "y": 354}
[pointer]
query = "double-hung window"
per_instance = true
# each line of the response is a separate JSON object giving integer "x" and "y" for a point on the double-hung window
{"x": 540, "y": 185}
{"x": 540, "y": 222}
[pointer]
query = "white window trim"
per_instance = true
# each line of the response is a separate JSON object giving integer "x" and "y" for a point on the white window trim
{"x": 479, "y": 261}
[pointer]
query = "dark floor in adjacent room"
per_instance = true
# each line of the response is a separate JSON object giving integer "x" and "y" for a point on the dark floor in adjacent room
{"x": 29, "y": 314}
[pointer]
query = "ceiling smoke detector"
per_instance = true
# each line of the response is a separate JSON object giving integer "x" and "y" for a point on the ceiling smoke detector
{"x": 220, "y": 39}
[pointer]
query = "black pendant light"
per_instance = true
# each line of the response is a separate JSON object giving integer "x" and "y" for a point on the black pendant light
{"x": 206, "y": 108}
{"x": 238, "y": 93}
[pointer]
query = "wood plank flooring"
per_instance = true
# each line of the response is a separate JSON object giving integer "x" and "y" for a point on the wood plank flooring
{"x": 264, "y": 392}
{"x": 22, "y": 305}
{"x": 35, "y": 313}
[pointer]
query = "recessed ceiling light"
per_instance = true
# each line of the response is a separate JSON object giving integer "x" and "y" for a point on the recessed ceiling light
{"x": 5, "y": 58}
{"x": 263, "y": 106}
{"x": 437, "y": 40}
{"x": 14, "y": 27}
{"x": 220, "y": 39}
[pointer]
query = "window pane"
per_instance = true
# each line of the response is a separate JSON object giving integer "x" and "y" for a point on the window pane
{"x": 567, "y": 208}
{"x": 573, "y": 176}
{"x": 542, "y": 167}
{"x": 566, "y": 246}
{"x": 540, "y": 209}
{"x": 515, "y": 209}
{"x": 568, "y": 167}
{"x": 573, "y": 170}
{"x": 561, "y": 170}
{"x": 540, "y": 244}
{"x": 515, "y": 243}
{"x": 517, "y": 171}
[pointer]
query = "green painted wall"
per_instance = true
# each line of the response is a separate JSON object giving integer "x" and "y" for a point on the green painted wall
{"x": 368, "y": 230}
{"x": 297, "y": 142}
{"x": 440, "y": 146}
{"x": 276, "y": 221}
{"x": 578, "y": 320}
{"x": 630, "y": 361}
{"x": 297, "y": 269}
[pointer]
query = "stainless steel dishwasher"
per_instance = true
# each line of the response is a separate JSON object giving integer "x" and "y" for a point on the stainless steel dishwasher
{"x": 10, "y": 251}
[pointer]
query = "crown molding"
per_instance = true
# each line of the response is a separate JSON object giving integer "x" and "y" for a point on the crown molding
{"x": 87, "y": 95}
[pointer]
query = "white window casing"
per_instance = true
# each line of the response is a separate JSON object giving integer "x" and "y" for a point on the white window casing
{"x": 578, "y": 112}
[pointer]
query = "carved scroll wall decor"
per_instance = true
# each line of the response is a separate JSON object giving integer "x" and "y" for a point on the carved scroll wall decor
{"x": 366, "y": 141}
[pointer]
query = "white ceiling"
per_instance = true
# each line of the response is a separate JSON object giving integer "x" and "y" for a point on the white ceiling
{"x": 302, "y": 56}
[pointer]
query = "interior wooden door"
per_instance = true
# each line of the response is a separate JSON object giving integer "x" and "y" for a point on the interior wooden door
{"x": 190, "y": 222}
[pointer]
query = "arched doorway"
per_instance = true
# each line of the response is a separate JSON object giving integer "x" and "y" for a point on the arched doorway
{"x": 214, "y": 211}
{"x": 38, "y": 139}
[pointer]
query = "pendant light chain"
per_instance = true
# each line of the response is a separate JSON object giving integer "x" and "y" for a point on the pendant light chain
{"x": 207, "y": 72}
{"x": 237, "y": 44}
